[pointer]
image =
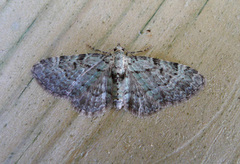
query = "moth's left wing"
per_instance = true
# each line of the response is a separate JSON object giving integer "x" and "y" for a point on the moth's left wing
{"x": 81, "y": 78}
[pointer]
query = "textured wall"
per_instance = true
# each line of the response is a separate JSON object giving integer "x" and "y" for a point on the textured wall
{"x": 36, "y": 127}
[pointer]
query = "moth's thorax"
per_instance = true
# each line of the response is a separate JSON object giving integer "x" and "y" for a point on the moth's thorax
{"x": 120, "y": 62}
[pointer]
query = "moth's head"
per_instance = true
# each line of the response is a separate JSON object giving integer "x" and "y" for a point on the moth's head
{"x": 119, "y": 48}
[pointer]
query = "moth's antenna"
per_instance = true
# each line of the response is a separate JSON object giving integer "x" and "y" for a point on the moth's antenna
{"x": 97, "y": 50}
{"x": 135, "y": 52}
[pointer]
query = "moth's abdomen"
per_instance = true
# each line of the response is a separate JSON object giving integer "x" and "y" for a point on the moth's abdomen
{"x": 119, "y": 80}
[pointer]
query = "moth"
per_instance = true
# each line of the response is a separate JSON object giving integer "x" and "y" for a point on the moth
{"x": 94, "y": 82}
